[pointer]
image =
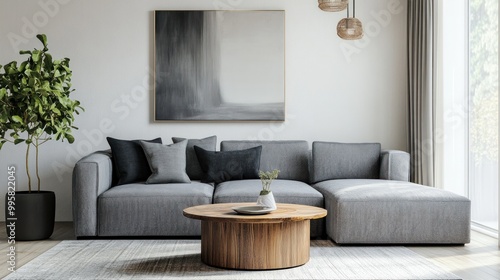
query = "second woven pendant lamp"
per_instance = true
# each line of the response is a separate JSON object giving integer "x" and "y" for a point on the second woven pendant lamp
{"x": 350, "y": 28}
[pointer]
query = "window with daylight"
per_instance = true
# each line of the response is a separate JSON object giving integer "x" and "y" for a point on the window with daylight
{"x": 483, "y": 111}
{"x": 468, "y": 115}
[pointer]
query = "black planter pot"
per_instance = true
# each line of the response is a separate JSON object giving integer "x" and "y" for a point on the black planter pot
{"x": 33, "y": 215}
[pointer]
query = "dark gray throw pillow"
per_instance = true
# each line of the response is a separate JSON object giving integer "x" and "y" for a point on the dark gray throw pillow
{"x": 231, "y": 165}
{"x": 193, "y": 168}
{"x": 129, "y": 161}
{"x": 167, "y": 162}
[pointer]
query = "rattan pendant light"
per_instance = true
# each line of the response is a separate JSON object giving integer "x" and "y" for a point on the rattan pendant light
{"x": 350, "y": 28}
{"x": 333, "y": 5}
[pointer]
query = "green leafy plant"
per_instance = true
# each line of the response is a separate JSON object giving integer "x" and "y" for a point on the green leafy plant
{"x": 35, "y": 103}
{"x": 267, "y": 178}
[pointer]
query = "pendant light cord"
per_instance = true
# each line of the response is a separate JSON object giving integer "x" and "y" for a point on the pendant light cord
{"x": 353, "y": 8}
{"x": 347, "y": 19}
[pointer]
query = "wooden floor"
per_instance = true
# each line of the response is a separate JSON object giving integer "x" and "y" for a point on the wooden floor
{"x": 26, "y": 251}
{"x": 479, "y": 260}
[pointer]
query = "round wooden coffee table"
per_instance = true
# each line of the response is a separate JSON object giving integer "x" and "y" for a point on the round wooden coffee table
{"x": 279, "y": 239}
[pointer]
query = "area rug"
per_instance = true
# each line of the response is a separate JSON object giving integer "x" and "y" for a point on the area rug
{"x": 174, "y": 259}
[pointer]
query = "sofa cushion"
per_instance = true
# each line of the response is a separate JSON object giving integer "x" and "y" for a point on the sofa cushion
{"x": 332, "y": 160}
{"x": 193, "y": 168}
{"x": 284, "y": 191}
{"x": 167, "y": 162}
{"x": 232, "y": 165}
{"x": 151, "y": 210}
{"x": 383, "y": 211}
{"x": 129, "y": 160}
{"x": 290, "y": 157}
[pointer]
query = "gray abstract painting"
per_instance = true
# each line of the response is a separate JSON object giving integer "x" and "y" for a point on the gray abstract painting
{"x": 220, "y": 65}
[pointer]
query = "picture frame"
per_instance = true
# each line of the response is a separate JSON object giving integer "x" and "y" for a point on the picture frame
{"x": 219, "y": 65}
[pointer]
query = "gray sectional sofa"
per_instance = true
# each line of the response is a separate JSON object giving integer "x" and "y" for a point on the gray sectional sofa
{"x": 365, "y": 190}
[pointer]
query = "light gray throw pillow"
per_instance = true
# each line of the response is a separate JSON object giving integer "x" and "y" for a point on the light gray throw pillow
{"x": 167, "y": 162}
{"x": 193, "y": 168}
{"x": 345, "y": 161}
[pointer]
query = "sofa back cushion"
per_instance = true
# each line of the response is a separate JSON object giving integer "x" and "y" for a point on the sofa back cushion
{"x": 331, "y": 160}
{"x": 193, "y": 168}
{"x": 290, "y": 157}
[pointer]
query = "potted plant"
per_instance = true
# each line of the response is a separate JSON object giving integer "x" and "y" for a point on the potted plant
{"x": 35, "y": 107}
{"x": 266, "y": 197}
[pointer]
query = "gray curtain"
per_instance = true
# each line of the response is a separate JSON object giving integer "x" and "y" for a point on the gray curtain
{"x": 421, "y": 90}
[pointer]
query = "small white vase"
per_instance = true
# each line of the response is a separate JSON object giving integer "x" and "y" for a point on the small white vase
{"x": 267, "y": 201}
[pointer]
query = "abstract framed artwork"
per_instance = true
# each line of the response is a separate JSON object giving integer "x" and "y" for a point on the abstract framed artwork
{"x": 219, "y": 66}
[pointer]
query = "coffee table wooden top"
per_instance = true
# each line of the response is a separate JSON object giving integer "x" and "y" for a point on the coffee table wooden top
{"x": 222, "y": 212}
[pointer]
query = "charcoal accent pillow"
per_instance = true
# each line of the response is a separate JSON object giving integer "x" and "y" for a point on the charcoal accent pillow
{"x": 193, "y": 168}
{"x": 231, "y": 165}
{"x": 129, "y": 160}
{"x": 167, "y": 162}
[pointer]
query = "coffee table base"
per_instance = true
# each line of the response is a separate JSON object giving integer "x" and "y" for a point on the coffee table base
{"x": 255, "y": 246}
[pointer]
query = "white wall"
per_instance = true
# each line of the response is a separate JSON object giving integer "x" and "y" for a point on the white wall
{"x": 335, "y": 90}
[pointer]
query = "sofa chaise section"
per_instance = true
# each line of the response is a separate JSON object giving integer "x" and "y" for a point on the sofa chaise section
{"x": 369, "y": 198}
{"x": 382, "y": 211}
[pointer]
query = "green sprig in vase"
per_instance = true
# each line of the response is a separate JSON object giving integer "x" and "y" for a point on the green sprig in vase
{"x": 266, "y": 197}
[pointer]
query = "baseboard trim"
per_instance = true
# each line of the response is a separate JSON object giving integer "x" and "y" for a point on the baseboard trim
{"x": 484, "y": 230}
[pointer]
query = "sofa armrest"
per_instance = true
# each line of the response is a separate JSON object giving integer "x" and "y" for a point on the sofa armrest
{"x": 395, "y": 165}
{"x": 92, "y": 176}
